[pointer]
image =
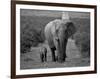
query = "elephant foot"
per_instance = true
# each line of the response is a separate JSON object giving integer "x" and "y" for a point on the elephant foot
{"x": 60, "y": 60}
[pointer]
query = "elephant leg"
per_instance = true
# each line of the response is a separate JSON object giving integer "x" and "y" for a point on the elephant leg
{"x": 53, "y": 54}
{"x": 42, "y": 57}
{"x": 45, "y": 57}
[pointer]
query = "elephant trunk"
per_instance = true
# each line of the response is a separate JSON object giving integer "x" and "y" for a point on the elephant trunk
{"x": 62, "y": 49}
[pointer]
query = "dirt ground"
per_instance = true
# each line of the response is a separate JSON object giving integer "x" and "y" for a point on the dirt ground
{"x": 31, "y": 60}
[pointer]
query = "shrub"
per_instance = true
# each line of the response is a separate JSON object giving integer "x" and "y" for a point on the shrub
{"x": 82, "y": 41}
{"x": 82, "y": 35}
{"x": 30, "y": 37}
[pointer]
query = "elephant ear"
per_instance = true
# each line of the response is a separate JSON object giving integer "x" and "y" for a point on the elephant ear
{"x": 56, "y": 28}
{"x": 71, "y": 29}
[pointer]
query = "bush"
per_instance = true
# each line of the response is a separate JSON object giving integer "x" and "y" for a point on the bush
{"x": 82, "y": 41}
{"x": 82, "y": 35}
{"x": 30, "y": 37}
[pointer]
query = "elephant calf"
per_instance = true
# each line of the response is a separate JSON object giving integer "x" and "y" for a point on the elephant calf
{"x": 43, "y": 54}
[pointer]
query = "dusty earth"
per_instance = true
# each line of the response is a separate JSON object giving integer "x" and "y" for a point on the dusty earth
{"x": 31, "y": 60}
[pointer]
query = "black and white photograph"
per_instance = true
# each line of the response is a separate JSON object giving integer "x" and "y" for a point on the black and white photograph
{"x": 50, "y": 39}
{"x": 54, "y": 39}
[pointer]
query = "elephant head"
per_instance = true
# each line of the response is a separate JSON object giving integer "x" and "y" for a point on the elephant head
{"x": 57, "y": 36}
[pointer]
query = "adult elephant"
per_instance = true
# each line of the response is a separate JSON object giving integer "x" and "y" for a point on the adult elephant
{"x": 57, "y": 33}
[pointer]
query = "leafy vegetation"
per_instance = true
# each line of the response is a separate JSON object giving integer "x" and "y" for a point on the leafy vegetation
{"x": 82, "y": 36}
